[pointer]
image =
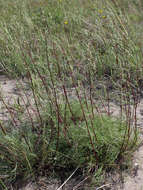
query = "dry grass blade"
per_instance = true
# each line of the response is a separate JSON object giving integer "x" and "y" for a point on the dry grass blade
{"x": 101, "y": 187}
{"x": 67, "y": 179}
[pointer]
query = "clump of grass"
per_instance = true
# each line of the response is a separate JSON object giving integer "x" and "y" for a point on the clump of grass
{"x": 25, "y": 152}
{"x": 60, "y": 46}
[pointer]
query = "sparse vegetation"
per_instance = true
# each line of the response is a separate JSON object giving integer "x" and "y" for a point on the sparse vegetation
{"x": 77, "y": 57}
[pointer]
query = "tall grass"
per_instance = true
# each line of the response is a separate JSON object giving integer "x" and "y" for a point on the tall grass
{"x": 73, "y": 54}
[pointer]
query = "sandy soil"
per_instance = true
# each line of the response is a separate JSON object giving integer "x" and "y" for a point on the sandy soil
{"x": 135, "y": 180}
{"x": 10, "y": 92}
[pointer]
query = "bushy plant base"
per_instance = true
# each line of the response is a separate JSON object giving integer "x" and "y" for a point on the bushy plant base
{"x": 76, "y": 144}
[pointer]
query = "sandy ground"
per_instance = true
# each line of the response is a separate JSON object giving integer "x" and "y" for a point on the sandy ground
{"x": 135, "y": 180}
{"x": 10, "y": 92}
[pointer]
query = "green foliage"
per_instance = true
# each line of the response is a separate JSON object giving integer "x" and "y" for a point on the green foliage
{"x": 24, "y": 152}
{"x": 60, "y": 45}
{"x": 96, "y": 34}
